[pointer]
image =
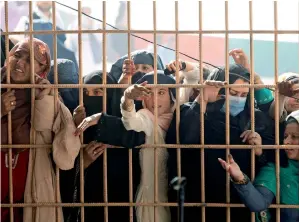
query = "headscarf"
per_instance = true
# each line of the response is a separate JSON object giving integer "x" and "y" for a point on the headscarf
{"x": 41, "y": 53}
{"x": 164, "y": 120}
{"x": 139, "y": 57}
{"x": 293, "y": 117}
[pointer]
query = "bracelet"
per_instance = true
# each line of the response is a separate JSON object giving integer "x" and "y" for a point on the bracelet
{"x": 243, "y": 182}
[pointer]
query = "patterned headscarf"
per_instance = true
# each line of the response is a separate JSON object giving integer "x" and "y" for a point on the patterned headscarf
{"x": 41, "y": 53}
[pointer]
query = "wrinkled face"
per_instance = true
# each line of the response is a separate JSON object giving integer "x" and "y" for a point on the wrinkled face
{"x": 292, "y": 104}
{"x": 93, "y": 92}
{"x": 239, "y": 92}
{"x": 145, "y": 68}
{"x": 20, "y": 65}
{"x": 44, "y": 6}
{"x": 164, "y": 101}
{"x": 291, "y": 137}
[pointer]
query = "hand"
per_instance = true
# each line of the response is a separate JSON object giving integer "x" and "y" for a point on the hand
{"x": 87, "y": 122}
{"x": 252, "y": 138}
{"x": 172, "y": 66}
{"x": 79, "y": 115}
{"x": 41, "y": 92}
{"x": 240, "y": 58}
{"x": 232, "y": 168}
{"x": 210, "y": 93}
{"x": 8, "y": 102}
{"x": 287, "y": 88}
{"x": 92, "y": 152}
{"x": 137, "y": 92}
{"x": 128, "y": 68}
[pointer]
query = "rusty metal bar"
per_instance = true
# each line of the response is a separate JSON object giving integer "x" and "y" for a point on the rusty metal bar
{"x": 57, "y": 175}
{"x": 227, "y": 110}
{"x": 195, "y": 32}
{"x": 277, "y": 165}
{"x": 252, "y": 100}
{"x": 202, "y": 122}
{"x": 175, "y": 146}
{"x": 81, "y": 104}
{"x": 9, "y": 125}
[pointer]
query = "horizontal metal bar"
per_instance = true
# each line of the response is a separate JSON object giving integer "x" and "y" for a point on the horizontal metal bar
{"x": 38, "y": 32}
{"x": 54, "y": 86}
{"x": 138, "y": 204}
{"x": 174, "y": 146}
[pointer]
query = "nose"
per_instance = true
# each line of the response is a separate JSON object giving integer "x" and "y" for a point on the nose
{"x": 288, "y": 140}
{"x": 21, "y": 63}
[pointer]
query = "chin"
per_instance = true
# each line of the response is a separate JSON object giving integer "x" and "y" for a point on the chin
{"x": 292, "y": 154}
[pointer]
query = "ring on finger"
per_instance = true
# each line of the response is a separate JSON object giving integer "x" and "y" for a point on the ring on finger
{"x": 12, "y": 103}
{"x": 94, "y": 153}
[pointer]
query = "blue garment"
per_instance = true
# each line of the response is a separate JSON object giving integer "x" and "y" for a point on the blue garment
{"x": 67, "y": 74}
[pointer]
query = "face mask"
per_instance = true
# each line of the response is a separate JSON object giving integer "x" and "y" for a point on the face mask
{"x": 236, "y": 105}
{"x": 137, "y": 76}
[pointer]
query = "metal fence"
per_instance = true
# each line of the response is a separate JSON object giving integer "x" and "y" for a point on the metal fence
{"x": 203, "y": 205}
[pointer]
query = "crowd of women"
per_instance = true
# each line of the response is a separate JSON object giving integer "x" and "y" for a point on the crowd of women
{"x": 128, "y": 122}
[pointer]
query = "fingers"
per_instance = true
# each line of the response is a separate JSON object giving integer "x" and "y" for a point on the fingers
{"x": 81, "y": 128}
{"x": 217, "y": 84}
{"x": 224, "y": 164}
{"x": 230, "y": 159}
{"x": 143, "y": 84}
{"x": 95, "y": 149}
{"x": 80, "y": 109}
{"x": 245, "y": 135}
{"x": 172, "y": 66}
{"x": 128, "y": 67}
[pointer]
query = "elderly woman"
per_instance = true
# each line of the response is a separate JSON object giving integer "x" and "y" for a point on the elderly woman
{"x": 32, "y": 169}
{"x": 259, "y": 195}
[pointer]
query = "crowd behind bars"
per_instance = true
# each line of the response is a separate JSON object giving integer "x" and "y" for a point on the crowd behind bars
{"x": 129, "y": 122}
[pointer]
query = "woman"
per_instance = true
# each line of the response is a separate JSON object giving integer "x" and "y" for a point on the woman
{"x": 259, "y": 195}
{"x": 143, "y": 120}
{"x": 109, "y": 130}
{"x": 33, "y": 171}
{"x": 214, "y": 133}
{"x": 141, "y": 62}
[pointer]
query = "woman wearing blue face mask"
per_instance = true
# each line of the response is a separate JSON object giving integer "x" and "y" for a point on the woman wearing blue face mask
{"x": 213, "y": 106}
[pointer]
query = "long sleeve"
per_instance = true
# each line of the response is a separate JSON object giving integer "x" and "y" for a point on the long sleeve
{"x": 111, "y": 130}
{"x": 255, "y": 198}
{"x": 137, "y": 121}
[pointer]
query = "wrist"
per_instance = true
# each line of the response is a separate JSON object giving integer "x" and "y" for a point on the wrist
{"x": 241, "y": 179}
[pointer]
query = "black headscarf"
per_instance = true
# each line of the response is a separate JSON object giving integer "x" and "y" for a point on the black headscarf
{"x": 94, "y": 104}
{"x": 139, "y": 57}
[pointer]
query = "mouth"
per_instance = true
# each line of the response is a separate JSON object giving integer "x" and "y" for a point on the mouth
{"x": 290, "y": 150}
{"x": 19, "y": 70}
{"x": 158, "y": 107}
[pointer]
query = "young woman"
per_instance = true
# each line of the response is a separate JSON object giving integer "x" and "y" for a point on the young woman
{"x": 259, "y": 195}
{"x": 143, "y": 121}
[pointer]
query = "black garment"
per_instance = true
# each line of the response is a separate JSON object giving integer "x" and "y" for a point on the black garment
{"x": 139, "y": 57}
{"x": 109, "y": 130}
{"x": 3, "y": 48}
{"x": 215, "y": 177}
{"x": 214, "y": 133}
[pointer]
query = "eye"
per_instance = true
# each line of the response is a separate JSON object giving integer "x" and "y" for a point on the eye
{"x": 17, "y": 55}
{"x": 233, "y": 93}
{"x": 98, "y": 92}
{"x": 161, "y": 92}
{"x": 85, "y": 92}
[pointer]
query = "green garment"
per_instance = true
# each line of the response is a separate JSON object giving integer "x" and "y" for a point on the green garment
{"x": 263, "y": 96}
{"x": 289, "y": 185}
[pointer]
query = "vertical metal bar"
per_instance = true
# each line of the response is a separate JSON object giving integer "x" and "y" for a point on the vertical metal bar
{"x": 81, "y": 103}
{"x": 9, "y": 129}
{"x": 55, "y": 97}
{"x": 32, "y": 76}
{"x": 252, "y": 97}
{"x": 202, "y": 136}
{"x": 277, "y": 165}
{"x": 156, "y": 109}
{"x": 105, "y": 186}
{"x": 227, "y": 121}
{"x": 130, "y": 150}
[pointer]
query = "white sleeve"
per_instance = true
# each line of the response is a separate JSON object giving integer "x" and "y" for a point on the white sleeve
{"x": 191, "y": 77}
{"x": 137, "y": 121}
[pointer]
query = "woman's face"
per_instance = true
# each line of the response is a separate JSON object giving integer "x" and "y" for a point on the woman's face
{"x": 164, "y": 101}
{"x": 93, "y": 91}
{"x": 291, "y": 137}
{"x": 20, "y": 66}
{"x": 145, "y": 68}
{"x": 239, "y": 92}
{"x": 292, "y": 104}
